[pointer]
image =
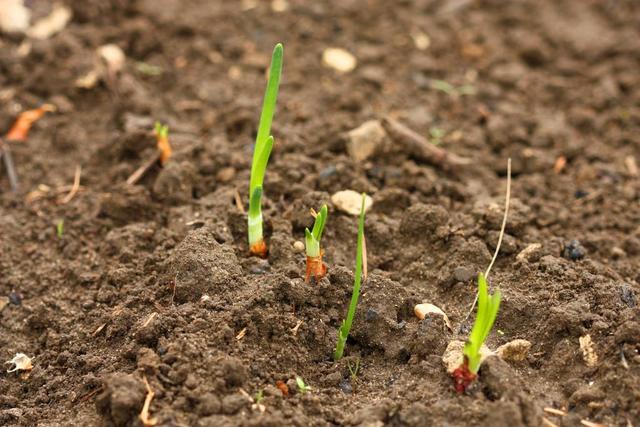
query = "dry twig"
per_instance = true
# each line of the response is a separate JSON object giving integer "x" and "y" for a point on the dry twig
{"x": 74, "y": 189}
{"x": 419, "y": 147}
{"x": 147, "y": 421}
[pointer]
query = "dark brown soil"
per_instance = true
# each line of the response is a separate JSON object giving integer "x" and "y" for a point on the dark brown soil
{"x": 154, "y": 280}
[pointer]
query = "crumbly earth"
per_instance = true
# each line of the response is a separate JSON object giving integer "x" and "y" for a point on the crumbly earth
{"x": 154, "y": 281}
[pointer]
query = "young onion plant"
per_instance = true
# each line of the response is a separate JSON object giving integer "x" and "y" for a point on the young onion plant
{"x": 261, "y": 153}
{"x": 488, "y": 306}
{"x": 315, "y": 266}
{"x": 343, "y": 332}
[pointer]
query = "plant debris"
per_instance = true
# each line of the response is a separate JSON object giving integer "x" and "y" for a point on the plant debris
{"x": 145, "y": 418}
{"x": 588, "y": 352}
{"x": 20, "y": 129}
{"x": 425, "y": 309}
{"x": 20, "y": 362}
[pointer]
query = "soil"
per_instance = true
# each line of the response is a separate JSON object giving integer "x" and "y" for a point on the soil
{"x": 154, "y": 280}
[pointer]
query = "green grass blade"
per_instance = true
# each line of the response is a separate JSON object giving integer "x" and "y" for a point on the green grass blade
{"x": 343, "y": 332}
{"x": 488, "y": 307}
{"x": 266, "y": 116}
{"x": 259, "y": 167}
{"x": 270, "y": 94}
{"x": 318, "y": 225}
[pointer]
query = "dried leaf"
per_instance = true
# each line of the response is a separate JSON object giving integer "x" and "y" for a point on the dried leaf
{"x": 424, "y": 309}
{"x": 20, "y": 362}
{"x": 20, "y": 129}
{"x": 588, "y": 352}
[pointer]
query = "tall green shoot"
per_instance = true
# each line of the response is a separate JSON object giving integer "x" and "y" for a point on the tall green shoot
{"x": 261, "y": 153}
{"x": 345, "y": 328}
{"x": 488, "y": 306}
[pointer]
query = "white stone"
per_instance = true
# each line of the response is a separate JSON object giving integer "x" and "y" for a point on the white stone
{"x": 366, "y": 140}
{"x": 339, "y": 59}
{"x": 350, "y": 201}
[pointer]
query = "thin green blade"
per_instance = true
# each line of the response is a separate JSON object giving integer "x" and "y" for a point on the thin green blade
{"x": 319, "y": 223}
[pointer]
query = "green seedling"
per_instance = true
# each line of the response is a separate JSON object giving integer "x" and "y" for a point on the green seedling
{"x": 258, "y": 396}
{"x": 343, "y": 332}
{"x": 261, "y": 153}
{"x": 60, "y": 228}
{"x": 354, "y": 370}
{"x": 488, "y": 306}
{"x": 436, "y": 134}
{"x": 449, "y": 89}
{"x": 315, "y": 266}
{"x": 302, "y": 387}
{"x": 148, "y": 69}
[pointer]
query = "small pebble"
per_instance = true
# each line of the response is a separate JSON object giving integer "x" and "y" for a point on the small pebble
{"x": 579, "y": 194}
{"x": 225, "y": 174}
{"x": 345, "y": 386}
{"x": 531, "y": 253}
{"x": 366, "y": 140}
{"x": 370, "y": 314}
{"x": 350, "y": 202}
{"x": 463, "y": 274}
{"x": 327, "y": 172}
{"x": 339, "y": 59}
{"x": 618, "y": 252}
{"x": 627, "y": 296}
{"x": 574, "y": 250}
{"x": 15, "y": 298}
{"x": 298, "y": 246}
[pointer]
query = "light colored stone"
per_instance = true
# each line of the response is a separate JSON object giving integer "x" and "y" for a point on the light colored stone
{"x": 349, "y": 201}
{"x": 298, "y": 246}
{"x": 531, "y": 253}
{"x": 453, "y": 356}
{"x": 424, "y": 309}
{"x": 421, "y": 40}
{"x": 112, "y": 56}
{"x": 339, "y": 59}
{"x": 226, "y": 174}
{"x": 514, "y": 351}
{"x": 14, "y": 16}
{"x": 52, "y": 24}
{"x": 279, "y": 5}
{"x": 366, "y": 140}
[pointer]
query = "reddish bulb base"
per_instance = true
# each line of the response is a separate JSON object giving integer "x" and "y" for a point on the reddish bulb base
{"x": 259, "y": 249}
{"x": 315, "y": 268}
{"x": 463, "y": 377}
